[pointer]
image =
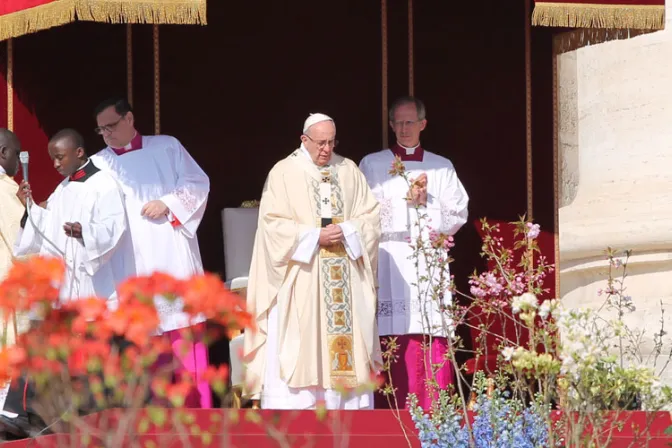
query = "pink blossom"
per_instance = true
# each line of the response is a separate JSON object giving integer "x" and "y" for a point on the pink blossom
{"x": 533, "y": 230}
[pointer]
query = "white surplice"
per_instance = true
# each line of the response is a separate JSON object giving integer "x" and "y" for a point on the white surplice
{"x": 103, "y": 257}
{"x": 162, "y": 170}
{"x": 402, "y": 309}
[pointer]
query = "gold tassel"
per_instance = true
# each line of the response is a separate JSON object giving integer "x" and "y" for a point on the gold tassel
{"x": 577, "y": 15}
{"x": 37, "y": 18}
{"x": 178, "y": 12}
{"x": 61, "y": 12}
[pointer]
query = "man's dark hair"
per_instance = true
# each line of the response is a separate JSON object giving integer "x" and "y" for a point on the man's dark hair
{"x": 121, "y": 106}
{"x": 73, "y": 136}
{"x": 419, "y": 106}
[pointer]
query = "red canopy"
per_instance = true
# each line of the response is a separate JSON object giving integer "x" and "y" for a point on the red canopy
{"x": 618, "y": 14}
{"x": 19, "y": 17}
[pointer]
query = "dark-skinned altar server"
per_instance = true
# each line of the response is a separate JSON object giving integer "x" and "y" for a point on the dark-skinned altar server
{"x": 84, "y": 222}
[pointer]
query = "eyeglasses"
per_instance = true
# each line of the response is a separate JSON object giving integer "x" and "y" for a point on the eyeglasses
{"x": 108, "y": 127}
{"x": 407, "y": 123}
{"x": 323, "y": 143}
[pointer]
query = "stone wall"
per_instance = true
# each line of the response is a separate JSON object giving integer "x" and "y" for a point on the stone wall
{"x": 615, "y": 161}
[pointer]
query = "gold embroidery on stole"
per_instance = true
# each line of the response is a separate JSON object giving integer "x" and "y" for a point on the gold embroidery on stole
{"x": 336, "y": 293}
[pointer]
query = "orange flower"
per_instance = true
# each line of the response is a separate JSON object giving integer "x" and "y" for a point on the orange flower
{"x": 144, "y": 288}
{"x": 160, "y": 386}
{"x": 177, "y": 393}
{"x": 206, "y": 294}
{"x": 136, "y": 322}
{"x": 11, "y": 361}
{"x": 217, "y": 377}
{"x": 37, "y": 279}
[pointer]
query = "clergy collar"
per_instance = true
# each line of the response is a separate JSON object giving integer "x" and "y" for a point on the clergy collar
{"x": 135, "y": 144}
{"x": 84, "y": 172}
{"x": 415, "y": 154}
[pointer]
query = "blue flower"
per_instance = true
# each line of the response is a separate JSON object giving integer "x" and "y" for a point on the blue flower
{"x": 499, "y": 422}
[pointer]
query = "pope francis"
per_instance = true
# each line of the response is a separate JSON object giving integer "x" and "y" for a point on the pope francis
{"x": 312, "y": 282}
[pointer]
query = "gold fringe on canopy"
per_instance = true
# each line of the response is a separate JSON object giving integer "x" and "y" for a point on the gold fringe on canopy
{"x": 61, "y": 12}
{"x": 590, "y": 15}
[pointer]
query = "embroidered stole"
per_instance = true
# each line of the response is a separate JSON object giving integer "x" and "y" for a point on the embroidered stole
{"x": 334, "y": 279}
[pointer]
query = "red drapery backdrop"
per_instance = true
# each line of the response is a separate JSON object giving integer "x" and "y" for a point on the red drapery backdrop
{"x": 19, "y": 17}
{"x": 622, "y": 14}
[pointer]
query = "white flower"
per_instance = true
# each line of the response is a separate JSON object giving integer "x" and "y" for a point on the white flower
{"x": 525, "y": 302}
{"x": 545, "y": 309}
{"x": 507, "y": 353}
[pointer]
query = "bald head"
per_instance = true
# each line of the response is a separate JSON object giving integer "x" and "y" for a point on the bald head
{"x": 9, "y": 151}
{"x": 66, "y": 149}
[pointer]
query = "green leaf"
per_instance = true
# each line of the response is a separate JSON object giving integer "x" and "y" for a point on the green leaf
{"x": 668, "y": 431}
{"x": 188, "y": 418}
{"x": 157, "y": 416}
{"x": 143, "y": 426}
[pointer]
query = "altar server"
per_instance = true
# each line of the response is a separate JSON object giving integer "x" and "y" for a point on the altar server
{"x": 165, "y": 194}
{"x": 312, "y": 280}
{"x": 83, "y": 222}
{"x": 403, "y": 311}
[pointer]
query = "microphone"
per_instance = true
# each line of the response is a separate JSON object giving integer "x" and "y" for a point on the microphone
{"x": 23, "y": 157}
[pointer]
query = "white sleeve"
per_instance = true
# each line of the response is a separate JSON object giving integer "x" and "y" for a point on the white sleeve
{"x": 307, "y": 246}
{"x": 352, "y": 245}
{"x": 105, "y": 228}
{"x": 454, "y": 203}
{"x": 29, "y": 240}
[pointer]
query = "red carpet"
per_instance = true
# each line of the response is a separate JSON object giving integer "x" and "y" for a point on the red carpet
{"x": 351, "y": 429}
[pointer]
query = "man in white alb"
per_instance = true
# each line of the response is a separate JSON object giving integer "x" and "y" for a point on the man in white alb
{"x": 311, "y": 286}
{"x": 440, "y": 195}
{"x": 165, "y": 194}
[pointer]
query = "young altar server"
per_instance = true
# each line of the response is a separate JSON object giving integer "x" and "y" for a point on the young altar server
{"x": 312, "y": 280}
{"x": 165, "y": 194}
{"x": 83, "y": 221}
{"x": 401, "y": 310}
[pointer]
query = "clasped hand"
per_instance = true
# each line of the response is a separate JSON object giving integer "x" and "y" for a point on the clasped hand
{"x": 154, "y": 209}
{"x": 330, "y": 235}
{"x": 417, "y": 194}
{"x": 73, "y": 229}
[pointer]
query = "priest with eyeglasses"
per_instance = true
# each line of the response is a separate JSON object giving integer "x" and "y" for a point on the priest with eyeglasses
{"x": 165, "y": 195}
{"x": 312, "y": 282}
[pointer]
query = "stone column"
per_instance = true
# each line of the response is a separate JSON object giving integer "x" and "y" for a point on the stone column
{"x": 615, "y": 158}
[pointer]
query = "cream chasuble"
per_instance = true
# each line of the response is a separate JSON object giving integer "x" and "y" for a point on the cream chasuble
{"x": 315, "y": 307}
{"x": 10, "y": 224}
{"x": 402, "y": 307}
